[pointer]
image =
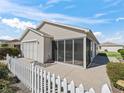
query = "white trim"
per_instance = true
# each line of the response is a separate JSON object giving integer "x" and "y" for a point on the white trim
{"x": 73, "y": 51}
{"x": 70, "y": 38}
{"x": 33, "y": 40}
{"x": 84, "y": 53}
{"x": 64, "y": 51}
{"x": 57, "y": 50}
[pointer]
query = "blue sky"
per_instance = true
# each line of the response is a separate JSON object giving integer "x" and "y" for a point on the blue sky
{"x": 104, "y": 17}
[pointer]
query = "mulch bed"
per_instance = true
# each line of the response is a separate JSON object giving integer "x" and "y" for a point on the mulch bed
{"x": 115, "y": 90}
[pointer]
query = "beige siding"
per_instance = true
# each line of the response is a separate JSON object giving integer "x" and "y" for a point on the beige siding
{"x": 31, "y": 36}
{"x": 60, "y": 33}
{"x": 47, "y": 49}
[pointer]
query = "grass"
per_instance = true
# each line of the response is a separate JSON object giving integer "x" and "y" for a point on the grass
{"x": 115, "y": 72}
{"x": 111, "y": 54}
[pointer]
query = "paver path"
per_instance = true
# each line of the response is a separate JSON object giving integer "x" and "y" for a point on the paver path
{"x": 93, "y": 77}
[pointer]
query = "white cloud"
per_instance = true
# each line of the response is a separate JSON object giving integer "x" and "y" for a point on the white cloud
{"x": 119, "y": 19}
{"x": 114, "y": 37}
{"x": 112, "y": 3}
{"x": 98, "y": 34}
{"x": 99, "y": 15}
{"x": 16, "y": 23}
{"x": 70, "y": 7}
{"x": 36, "y": 14}
{"x": 6, "y": 37}
{"x": 56, "y": 1}
{"x": 108, "y": 0}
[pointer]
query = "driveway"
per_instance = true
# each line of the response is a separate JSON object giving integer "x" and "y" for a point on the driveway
{"x": 93, "y": 77}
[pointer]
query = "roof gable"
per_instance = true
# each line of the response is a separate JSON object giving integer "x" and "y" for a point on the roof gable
{"x": 72, "y": 28}
{"x": 34, "y": 31}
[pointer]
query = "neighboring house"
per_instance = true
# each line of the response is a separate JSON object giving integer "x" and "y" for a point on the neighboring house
{"x": 59, "y": 43}
{"x": 14, "y": 43}
{"x": 109, "y": 46}
{"x": 3, "y": 42}
{"x": 11, "y": 43}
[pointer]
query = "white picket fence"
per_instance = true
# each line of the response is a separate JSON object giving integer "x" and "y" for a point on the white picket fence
{"x": 40, "y": 81}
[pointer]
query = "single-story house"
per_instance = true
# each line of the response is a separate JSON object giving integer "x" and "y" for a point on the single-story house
{"x": 109, "y": 46}
{"x": 2, "y": 41}
{"x": 15, "y": 43}
{"x": 59, "y": 43}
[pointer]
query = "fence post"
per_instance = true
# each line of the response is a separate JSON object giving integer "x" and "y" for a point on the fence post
{"x": 38, "y": 75}
{"x": 72, "y": 87}
{"x": 41, "y": 81}
{"x": 15, "y": 59}
{"x": 80, "y": 89}
{"x": 14, "y": 66}
{"x": 8, "y": 60}
{"x": 53, "y": 83}
{"x": 49, "y": 81}
{"x": 35, "y": 79}
{"x": 33, "y": 64}
{"x": 59, "y": 84}
{"x": 45, "y": 78}
{"x": 91, "y": 90}
{"x": 105, "y": 89}
{"x": 65, "y": 85}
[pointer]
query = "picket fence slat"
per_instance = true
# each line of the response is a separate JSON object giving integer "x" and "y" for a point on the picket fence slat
{"x": 41, "y": 81}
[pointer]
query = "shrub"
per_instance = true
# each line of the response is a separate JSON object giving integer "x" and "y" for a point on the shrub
{"x": 5, "y": 80}
{"x": 121, "y": 51}
{"x": 102, "y": 54}
{"x": 11, "y": 51}
{"x": 4, "y": 45}
{"x": 3, "y": 71}
{"x": 115, "y": 72}
{"x": 106, "y": 50}
{"x": 5, "y": 86}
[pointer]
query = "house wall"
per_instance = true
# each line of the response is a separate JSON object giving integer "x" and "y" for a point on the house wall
{"x": 31, "y": 36}
{"x": 60, "y": 33}
{"x": 111, "y": 48}
{"x": 47, "y": 49}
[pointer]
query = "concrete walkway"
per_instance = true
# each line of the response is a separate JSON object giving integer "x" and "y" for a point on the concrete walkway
{"x": 93, "y": 77}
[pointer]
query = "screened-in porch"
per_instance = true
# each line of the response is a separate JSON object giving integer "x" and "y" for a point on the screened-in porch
{"x": 72, "y": 51}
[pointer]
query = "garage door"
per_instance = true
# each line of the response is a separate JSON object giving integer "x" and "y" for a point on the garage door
{"x": 30, "y": 49}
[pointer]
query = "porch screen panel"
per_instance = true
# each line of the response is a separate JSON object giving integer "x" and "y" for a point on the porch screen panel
{"x": 78, "y": 52}
{"x": 54, "y": 50}
{"x": 68, "y": 51}
{"x": 88, "y": 51}
{"x": 61, "y": 50}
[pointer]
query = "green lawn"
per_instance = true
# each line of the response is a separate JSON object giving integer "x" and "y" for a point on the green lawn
{"x": 115, "y": 72}
{"x": 111, "y": 54}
